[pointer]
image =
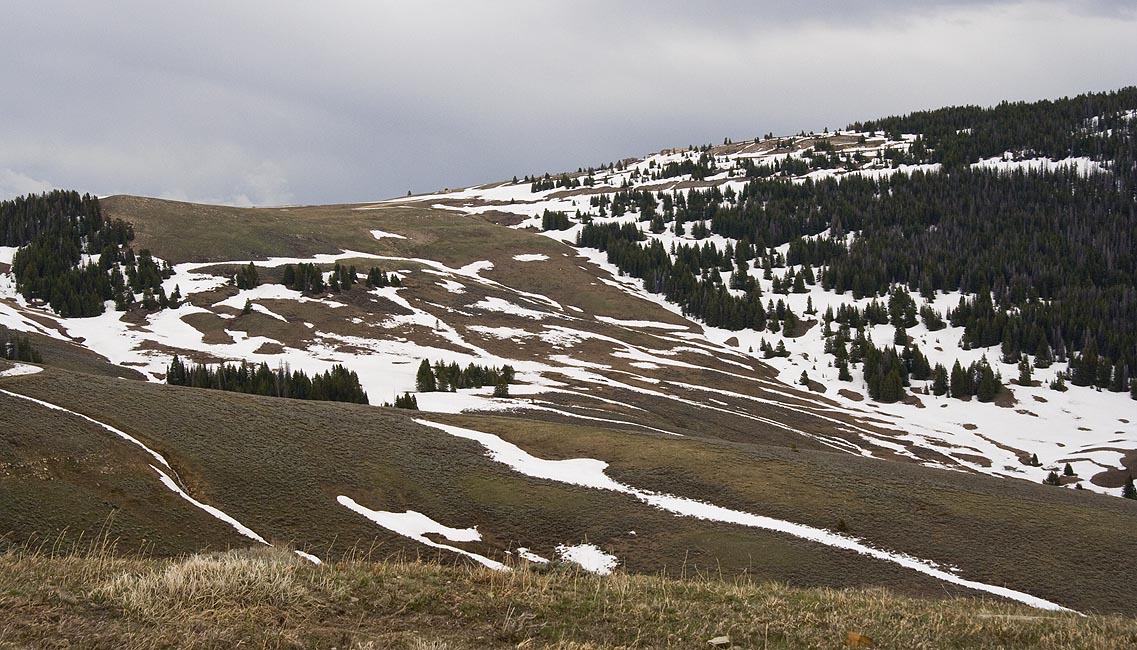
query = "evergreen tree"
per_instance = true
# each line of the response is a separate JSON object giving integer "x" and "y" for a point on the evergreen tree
{"x": 501, "y": 388}
{"x": 425, "y": 381}
{"x": 406, "y": 401}
{"x": 960, "y": 382}
{"x": 1052, "y": 479}
{"x": 1068, "y": 471}
{"x": 939, "y": 380}
{"x": 843, "y": 373}
{"x": 1129, "y": 491}
{"x": 891, "y": 388}
{"x": 988, "y": 386}
{"x": 1025, "y": 377}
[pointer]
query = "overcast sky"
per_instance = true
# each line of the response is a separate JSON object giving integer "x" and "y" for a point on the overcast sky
{"x": 264, "y": 102}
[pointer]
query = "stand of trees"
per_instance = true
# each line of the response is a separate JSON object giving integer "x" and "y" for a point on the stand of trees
{"x": 1048, "y": 257}
{"x": 451, "y": 377}
{"x": 54, "y": 231}
{"x": 336, "y": 385}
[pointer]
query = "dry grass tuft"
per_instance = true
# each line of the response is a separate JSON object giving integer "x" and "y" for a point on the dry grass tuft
{"x": 213, "y": 585}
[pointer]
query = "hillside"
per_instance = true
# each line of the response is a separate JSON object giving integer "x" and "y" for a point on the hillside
{"x": 723, "y": 359}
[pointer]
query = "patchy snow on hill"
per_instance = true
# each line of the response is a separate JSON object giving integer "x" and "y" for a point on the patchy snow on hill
{"x": 1082, "y": 427}
{"x": 590, "y": 473}
{"x": 416, "y": 526}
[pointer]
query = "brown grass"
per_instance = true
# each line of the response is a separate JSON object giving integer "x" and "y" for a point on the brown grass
{"x": 270, "y": 599}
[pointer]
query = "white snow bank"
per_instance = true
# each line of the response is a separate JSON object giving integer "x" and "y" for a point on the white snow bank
{"x": 308, "y": 556}
{"x": 20, "y": 369}
{"x": 526, "y": 554}
{"x": 493, "y": 303}
{"x": 416, "y": 526}
{"x": 379, "y": 234}
{"x": 588, "y": 472}
{"x": 531, "y": 257}
{"x": 589, "y": 557}
{"x": 452, "y": 286}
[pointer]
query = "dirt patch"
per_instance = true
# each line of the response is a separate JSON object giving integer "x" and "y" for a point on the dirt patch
{"x": 211, "y": 326}
{"x": 270, "y": 348}
{"x": 912, "y": 400}
{"x": 982, "y": 461}
{"x": 969, "y": 426}
{"x": 802, "y": 328}
{"x": 1040, "y": 399}
{"x": 1026, "y": 412}
{"x": 1006, "y": 399}
{"x": 851, "y": 394}
{"x": 732, "y": 341}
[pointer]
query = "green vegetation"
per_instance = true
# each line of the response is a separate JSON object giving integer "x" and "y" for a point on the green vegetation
{"x": 451, "y": 377}
{"x": 53, "y": 231}
{"x": 336, "y": 385}
{"x": 405, "y": 401}
{"x": 1065, "y": 293}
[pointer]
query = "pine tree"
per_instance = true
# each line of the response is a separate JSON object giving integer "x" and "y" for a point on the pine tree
{"x": 988, "y": 387}
{"x": 501, "y": 388}
{"x": 843, "y": 373}
{"x": 1052, "y": 479}
{"x": 1129, "y": 491}
{"x": 425, "y": 381}
{"x": 891, "y": 387}
{"x": 939, "y": 380}
{"x": 960, "y": 382}
{"x": 1068, "y": 471}
{"x": 1025, "y": 378}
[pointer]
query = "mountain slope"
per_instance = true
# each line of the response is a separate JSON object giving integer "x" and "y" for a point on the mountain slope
{"x": 686, "y": 365}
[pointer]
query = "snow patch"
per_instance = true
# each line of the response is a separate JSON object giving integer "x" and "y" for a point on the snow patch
{"x": 20, "y": 369}
{"x": 379, "y": 234}
{"x": 589, "y": 557}
{"x": 416, "y": 526}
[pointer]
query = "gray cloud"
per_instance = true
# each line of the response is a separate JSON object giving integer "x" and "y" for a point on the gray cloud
{"x": 265, "y": 103}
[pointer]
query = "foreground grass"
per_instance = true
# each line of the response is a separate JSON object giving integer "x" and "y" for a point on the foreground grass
{"x": 271, "y": 598}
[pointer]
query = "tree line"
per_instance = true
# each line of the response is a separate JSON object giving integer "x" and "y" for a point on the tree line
{"x": 336, "y": 385}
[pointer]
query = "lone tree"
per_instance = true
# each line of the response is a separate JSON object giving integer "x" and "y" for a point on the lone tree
{"x": 1129, "y": 491}
{"x": 1068, "y": 471}
{"x": 424, "y": 380}
{"x": 501, "y": 388}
